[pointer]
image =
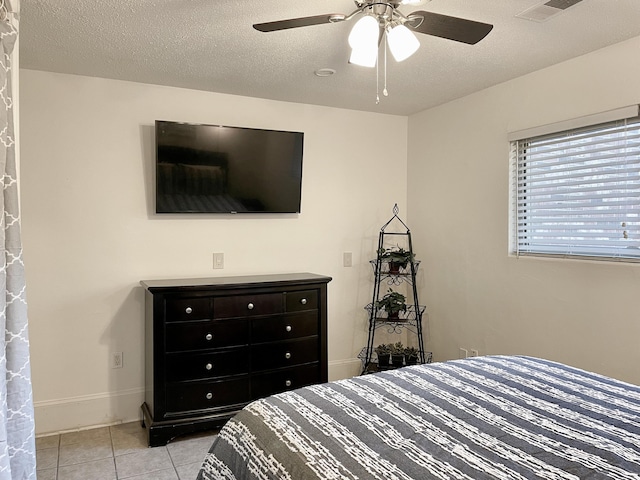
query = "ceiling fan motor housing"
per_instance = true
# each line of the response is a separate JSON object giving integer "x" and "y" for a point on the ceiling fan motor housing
{"x": 390, "y": 3}
{"x": 383, "y": 11}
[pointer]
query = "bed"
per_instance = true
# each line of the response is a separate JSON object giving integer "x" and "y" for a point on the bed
{"x": 493, "y": 417}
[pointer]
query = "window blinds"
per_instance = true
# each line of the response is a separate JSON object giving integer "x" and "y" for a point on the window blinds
{"x": 577, "y": 192}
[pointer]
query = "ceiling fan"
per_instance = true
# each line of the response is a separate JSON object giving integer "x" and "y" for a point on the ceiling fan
{"x": 381, "y": 18}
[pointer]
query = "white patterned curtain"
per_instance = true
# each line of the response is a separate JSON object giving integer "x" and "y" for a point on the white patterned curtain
{"x": 17, "y": 431}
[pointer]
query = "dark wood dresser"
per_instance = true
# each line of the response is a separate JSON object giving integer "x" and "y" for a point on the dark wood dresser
{"x": 215, "y": 344}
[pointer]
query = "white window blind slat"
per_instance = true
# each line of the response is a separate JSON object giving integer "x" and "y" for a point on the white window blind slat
{"x": 594, "y": 238}
{"x": 577, "y": 192}
{"x": 539, "y": 164}
{"x": 569, "y": 190}
{"x": 572, "y": 144}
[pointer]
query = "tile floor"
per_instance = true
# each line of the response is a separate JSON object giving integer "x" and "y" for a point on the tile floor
{"x": 119, "y": 452}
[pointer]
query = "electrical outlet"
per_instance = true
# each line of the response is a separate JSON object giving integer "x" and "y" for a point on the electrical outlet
{"x": 474, "y": 352}
{"x": 463, "y": 353}
{"x": 116, "y": 360}
{"x": 347, "y": 259}
{"x": 218, "y": 260}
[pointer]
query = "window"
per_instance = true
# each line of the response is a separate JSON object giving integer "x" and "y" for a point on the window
{"x": 577, "y": 191}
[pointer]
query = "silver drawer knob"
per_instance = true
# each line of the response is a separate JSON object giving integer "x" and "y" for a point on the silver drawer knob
{"x": 250, "y": 306}
{"x": 287, "y": 355}
{"x": 209, "y": 396}
{"x": 288, "y": 328}
{"x": 287, "y": 383}
{"x": 303, "y": 301}
{"x": 208, "y": 366}
{"x": 209, "y": 337}
{"x": 188, "y": 309}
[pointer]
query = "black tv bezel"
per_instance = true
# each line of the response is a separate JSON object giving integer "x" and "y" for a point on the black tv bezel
{"x": 298, "y": 209}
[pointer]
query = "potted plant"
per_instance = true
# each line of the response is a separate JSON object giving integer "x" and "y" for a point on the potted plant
{"x": 411, "y": 355}
{"x": 393, "y": 303}
{"x": 383, "y": 351}
{"x": 397, "y": 257}
{"x": 397, "y": 354}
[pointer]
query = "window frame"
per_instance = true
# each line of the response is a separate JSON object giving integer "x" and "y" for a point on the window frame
{"x": 572, "y": 227}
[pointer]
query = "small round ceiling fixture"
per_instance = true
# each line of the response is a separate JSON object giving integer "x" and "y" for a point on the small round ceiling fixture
{"x": 324, "y": 72}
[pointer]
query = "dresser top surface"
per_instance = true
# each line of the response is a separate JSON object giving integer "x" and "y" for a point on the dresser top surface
{"x": 235, "y": 281}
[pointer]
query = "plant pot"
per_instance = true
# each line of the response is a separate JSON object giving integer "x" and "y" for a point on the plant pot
{"x": 412, "y": 360}
{"x": 393, "y": 316}
{"x": 397, "y": 360}
{"x": 394, "y": 268}
{"x": 383, "y": 360}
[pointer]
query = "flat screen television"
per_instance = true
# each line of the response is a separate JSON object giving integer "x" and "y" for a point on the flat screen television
{"x": 219, "y": 169}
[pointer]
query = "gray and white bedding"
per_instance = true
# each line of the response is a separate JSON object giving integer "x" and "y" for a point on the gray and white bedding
{"x": 494, "y": 417}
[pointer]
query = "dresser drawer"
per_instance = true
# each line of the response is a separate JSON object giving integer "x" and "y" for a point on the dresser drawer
{"x": 284, "y": 327}
{"x": 303, "y": 300}
{"x": 196, "y": 366}
{"x": 186, "y": 336}
{"x": 268, "y": 356}
{"x": 265, "y": 384}
{"x": 182, "y": 397}
{"x": 248, "y": 305}
{"x": 180, "y": 309}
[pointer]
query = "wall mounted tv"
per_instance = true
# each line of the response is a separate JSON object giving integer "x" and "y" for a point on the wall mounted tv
{"x": 218, "y": 169}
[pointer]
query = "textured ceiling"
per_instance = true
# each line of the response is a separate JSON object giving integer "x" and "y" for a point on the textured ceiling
{"x": 211, "y": 45}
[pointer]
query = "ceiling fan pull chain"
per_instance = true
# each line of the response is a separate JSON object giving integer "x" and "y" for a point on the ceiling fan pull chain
{"x": 384, "y": 90}
{"x": 377, "y": 77}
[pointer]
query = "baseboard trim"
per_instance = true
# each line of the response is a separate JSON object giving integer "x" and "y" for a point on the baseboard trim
{"x": 112, "y": 408}
{"x": 344, "y": 369}
{"x": 87, "y": 411}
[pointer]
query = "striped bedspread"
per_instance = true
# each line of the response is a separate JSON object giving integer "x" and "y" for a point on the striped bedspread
{"x": 495, "y": 417}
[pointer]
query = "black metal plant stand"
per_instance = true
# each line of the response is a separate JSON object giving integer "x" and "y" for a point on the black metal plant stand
{"x": 384, "y": 274}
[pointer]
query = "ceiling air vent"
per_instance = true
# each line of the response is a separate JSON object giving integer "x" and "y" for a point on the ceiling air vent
{"x": 544, "y": 11}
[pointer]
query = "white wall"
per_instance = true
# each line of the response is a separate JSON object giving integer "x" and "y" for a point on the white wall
{"x": 90, "y": 235}
{"x": 478, "y": 296}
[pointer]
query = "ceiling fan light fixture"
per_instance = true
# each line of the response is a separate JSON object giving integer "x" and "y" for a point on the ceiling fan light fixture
{"x": 364, "y": 56}
{"x": 402, "y": 42}
{"x": 364, "y": 33}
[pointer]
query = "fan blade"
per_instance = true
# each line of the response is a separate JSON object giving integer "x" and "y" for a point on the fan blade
{"x": 452, "y": 28}
{"x": 299, "y": 22}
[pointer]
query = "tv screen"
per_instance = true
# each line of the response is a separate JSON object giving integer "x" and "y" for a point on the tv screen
{"x": 218, "y": 169}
